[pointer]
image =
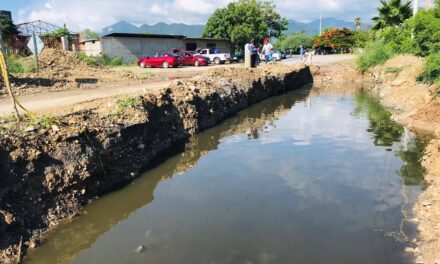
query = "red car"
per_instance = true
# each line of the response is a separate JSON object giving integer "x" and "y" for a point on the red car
{"x": 193, "y": 58}
{"x": 160, "y": 59}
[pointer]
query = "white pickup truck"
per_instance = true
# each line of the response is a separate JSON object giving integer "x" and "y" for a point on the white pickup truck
{"x": 217, "y": 58}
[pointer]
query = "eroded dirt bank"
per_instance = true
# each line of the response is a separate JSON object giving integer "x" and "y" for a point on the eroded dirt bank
{"x": 50, "y": 172}
{"x": 412, "y": 105}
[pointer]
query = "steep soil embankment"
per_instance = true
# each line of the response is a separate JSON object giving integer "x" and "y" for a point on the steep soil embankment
{"x": 50, "y": 172}
{"x": 413, "y": 106}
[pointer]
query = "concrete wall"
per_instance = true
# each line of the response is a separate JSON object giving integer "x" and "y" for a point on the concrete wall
{"x": 92, "y": 48}
{"x": 133, "y": 48}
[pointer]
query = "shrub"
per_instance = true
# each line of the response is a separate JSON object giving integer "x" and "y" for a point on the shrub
{"x": 427, "y": 32}
{"x": 89, "y": 60}
{"x": 104, "y": 60}
{"x": 398, "y": 38}
{"x": 100, "y": 61}
{"x": 431, "y": 73}
{"x": 18, "y": 64}
{"x": 376, "y": 53}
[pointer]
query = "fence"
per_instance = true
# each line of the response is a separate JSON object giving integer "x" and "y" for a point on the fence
{"x": 17, "y": 44}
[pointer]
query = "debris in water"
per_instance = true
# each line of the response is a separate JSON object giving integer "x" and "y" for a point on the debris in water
{"x": 140, "y": 249}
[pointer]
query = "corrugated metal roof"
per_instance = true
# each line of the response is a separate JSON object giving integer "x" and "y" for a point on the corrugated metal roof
{"x": 135, "y": 35}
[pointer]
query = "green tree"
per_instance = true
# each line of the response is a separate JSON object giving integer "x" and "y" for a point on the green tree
{"x": 392, "y": 13}
{"x": 244, "y": 20}
{"x": 427, "y": 32}
{"x": 89, "y": 34}
{"x": 294, "y": 41}
{"x": 7, "y": 27}
{"x": 360, "y": 39}
{"x": 61, "y": 32}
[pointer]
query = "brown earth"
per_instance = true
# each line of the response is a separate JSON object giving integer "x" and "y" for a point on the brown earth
{"x": 412, "y": 105}
{"x": 54, "y": 167}
{"x": 61, "y": 70}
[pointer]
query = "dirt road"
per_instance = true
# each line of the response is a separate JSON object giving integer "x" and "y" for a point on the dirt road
{"x": 61, "y": 102}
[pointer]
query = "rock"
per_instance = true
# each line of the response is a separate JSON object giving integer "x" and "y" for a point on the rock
{"x": 426, "y": 203}
{"x": 29, "y": 129}
{"x": 420, "y": 260}
{"x": 409, "y": 250}
{"x": 55, "y": 128}
{"x": 8, "y": 217}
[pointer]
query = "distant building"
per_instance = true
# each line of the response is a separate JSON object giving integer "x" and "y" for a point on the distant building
{"x": 133, "y": 46}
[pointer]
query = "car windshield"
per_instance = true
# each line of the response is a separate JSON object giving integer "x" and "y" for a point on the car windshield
{"x": 171, "y": 54}
{"x": 194, "y": 53}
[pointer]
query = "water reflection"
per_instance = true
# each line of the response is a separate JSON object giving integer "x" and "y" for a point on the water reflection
{"x": 386, "y": 132}
{"x": 278, "y": 183}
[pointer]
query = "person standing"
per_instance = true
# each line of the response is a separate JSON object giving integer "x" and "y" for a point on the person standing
{"x": 301, "y": 52}
{"x": 248, "y": 49}
{"x": 267, "y": 50}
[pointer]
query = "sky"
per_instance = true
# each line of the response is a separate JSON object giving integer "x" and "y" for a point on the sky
{"x": 96, "y": 14}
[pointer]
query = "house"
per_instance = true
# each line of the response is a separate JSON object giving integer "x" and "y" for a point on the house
{"x": 133, "y": 46}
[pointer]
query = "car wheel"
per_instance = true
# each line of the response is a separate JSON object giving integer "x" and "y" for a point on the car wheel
{"x": 142, "y": 65}
{"x": 217, "y": 61}
{"x": 165, "y": 65}
{"x": 197, "y": 63}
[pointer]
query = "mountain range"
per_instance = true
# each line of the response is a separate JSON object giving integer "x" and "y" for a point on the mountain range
{"x": 310, "y": 28}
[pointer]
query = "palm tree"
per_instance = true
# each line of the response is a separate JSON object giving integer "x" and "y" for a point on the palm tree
{"x": 392, "y": 13}
{"x": 357, "y": 23}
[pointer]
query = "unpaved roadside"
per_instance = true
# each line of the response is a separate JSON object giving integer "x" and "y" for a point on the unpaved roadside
{"x": 60, "y": 102}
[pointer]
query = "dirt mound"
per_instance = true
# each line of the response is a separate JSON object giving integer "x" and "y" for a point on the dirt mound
{"x": 54, "y": 59}
{"x": 61, "y": 70}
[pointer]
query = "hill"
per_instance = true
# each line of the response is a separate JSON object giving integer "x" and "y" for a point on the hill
{"x": 311, "y": 28}
{"x": 159, "y": 28}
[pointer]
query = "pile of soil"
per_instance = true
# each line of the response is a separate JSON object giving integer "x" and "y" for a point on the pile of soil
{"x": 61, "y": 70}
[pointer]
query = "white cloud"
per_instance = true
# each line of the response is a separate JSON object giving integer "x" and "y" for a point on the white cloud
{"x": 79, "y": 14}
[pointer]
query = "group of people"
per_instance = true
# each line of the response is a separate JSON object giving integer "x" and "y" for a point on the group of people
{"x": 254, "y": 52}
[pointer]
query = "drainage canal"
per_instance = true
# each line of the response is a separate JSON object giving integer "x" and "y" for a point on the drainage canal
{"x": 298, "y": 178}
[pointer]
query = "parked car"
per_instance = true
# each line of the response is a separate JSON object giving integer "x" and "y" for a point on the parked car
{"x": 160, "y": 59}
{"x": 238, "y": 57}
{"x": 192, "y": 58}
{"x": 216, "y": 57}
{"x": 283, "y": 55}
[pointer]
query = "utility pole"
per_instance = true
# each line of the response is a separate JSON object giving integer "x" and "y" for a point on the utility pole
{"x": 320, "y": 24}
{"x": 415, "y": 7}
{"x": 415, "y": 11}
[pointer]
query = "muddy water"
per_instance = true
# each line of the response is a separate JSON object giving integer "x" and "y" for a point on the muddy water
{"x": 294, "y": 179}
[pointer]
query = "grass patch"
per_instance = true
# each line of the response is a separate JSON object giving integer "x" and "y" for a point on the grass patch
{"x": 103, "y": 60}
{"x": 19, "y": 64}
{"x": 376, "y": 53}
{"x": 431, "y": 73}
{"x": 394, "y": 70}
{"x": 124, "y": 103}
{"x": 127, "y": 102}
{"x": 45, "y": 121}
